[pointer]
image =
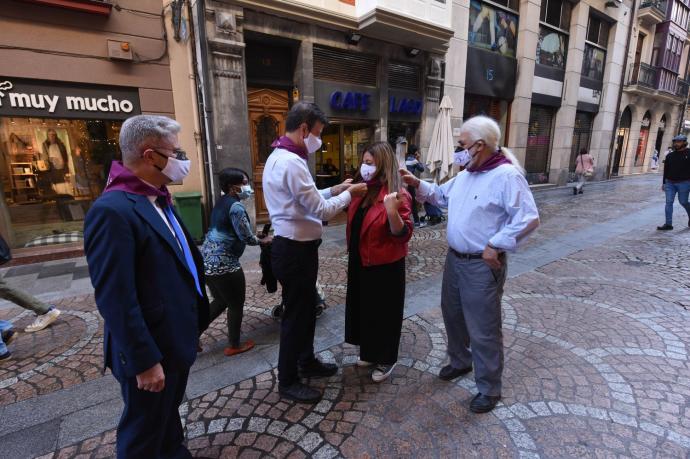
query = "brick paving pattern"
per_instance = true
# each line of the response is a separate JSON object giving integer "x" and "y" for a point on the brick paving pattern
{"x": 596, "y": 366}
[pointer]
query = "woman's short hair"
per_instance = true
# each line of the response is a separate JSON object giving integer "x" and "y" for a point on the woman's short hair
{"x": 231, "y": 176}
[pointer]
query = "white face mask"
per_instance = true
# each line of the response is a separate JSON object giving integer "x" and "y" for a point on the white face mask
{"x": 367, "y": 171}
{"x": 462, "y": 158}
{"x": 176, "y": 169}
{"x": 245, "y": 192}
{"x": 312, "y": 143}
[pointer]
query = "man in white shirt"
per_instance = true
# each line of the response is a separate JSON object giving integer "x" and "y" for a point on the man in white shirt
{"x": 297, "y": 209}
{"x": 490, "y": 210}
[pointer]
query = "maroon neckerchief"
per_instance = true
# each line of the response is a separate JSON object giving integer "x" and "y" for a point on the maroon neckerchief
{"x": 122, "y": 179}
{"x": 285, "y": 143}
{"x": 492, "y": 163}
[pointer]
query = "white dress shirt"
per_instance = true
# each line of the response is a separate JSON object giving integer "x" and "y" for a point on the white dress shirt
{"x": 495, "y": 207}
{"x": 154, "y": 202}
{"x": 295, "y": 205}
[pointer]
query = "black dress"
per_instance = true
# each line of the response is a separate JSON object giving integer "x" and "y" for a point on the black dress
{"x": 374, "y": 303}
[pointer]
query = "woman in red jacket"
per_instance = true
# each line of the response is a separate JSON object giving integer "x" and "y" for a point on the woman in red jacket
{"x": 378, "y": 230}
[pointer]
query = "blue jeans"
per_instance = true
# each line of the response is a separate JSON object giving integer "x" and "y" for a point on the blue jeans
{"x": 4, "y": 326}
{"x": 683, "y": 189}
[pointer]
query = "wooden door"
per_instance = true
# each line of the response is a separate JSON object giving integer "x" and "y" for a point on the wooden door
{"x": 267, "y": 111}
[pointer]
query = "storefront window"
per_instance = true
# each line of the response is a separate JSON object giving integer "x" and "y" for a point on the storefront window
{"x": 595, "y": 48}
{"x": 551, "y": 48}
{"x": 52, "y": 170}
{"x": 492, "y": 28}
{"x": 341, "y": 153}
{"x": 642, "y": 141}
{"x": 539, "y": 144}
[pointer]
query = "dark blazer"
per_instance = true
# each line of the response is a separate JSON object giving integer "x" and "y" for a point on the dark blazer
{"x": 144, "y": 290}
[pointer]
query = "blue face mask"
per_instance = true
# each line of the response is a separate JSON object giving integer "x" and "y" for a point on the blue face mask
{"x": 246, "y": 192}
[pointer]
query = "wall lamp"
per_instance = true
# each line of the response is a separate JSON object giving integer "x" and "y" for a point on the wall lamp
{"x": 353, "y": 38}
{"x": 412, "y": 52}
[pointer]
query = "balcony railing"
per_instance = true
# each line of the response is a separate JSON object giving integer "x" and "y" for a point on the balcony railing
{"x": 656, "y": 4}
{"x": 643, "y": 75}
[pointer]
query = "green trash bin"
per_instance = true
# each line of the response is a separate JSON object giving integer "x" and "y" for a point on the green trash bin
{"x": 188, "y": 206}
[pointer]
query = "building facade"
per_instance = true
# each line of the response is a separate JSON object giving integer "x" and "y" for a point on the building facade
{"x": 655, "y": 93}
{"x": 72, "y": 72}
{"x": 549, "y": 71}
{"x": 375, "y": 67}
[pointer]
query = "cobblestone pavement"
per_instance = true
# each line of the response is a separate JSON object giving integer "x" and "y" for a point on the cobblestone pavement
{"x": 596, "y": 360}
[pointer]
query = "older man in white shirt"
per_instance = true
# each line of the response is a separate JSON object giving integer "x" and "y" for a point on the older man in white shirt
{"x": 297, "y": 209}
{"x": 490, "y": 210}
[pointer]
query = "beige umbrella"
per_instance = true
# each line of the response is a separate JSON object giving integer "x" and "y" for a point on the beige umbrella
{"x": 439, "y": 157}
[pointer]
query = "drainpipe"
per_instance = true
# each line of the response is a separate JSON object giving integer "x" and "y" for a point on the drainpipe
{"x": 205, "y": 107}
{"x": 617, "y": 119}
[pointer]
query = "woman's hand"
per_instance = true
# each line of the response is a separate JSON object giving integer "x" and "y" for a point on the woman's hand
{"x": 409, "y": 178}
{"x": 392, "y": 202}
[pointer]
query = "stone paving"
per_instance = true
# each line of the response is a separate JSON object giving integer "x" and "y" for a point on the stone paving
{"x": 596, "y": 361}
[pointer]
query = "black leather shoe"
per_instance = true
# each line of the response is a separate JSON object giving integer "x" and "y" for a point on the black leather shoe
{"x": 300, "y": 393}
{"x": 317, "y": 369}
{"x": 665, "y": 227}
{"x": 483, "y": 403}
{"x": 448, "y": 373}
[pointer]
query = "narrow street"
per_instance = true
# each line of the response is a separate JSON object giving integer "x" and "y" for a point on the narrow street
{"x": 596, "y": 329}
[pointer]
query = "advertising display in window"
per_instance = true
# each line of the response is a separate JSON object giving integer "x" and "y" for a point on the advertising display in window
{"x": 492, "y": 28}
{"x": 51, "y": 170}
{"x": 551, "y": 48}
{"x": 593, "y": 63}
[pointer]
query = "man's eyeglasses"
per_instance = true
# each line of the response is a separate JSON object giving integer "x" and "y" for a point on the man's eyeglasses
{"x": 177, "y": 153}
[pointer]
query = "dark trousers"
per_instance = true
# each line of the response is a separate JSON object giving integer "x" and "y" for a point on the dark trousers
{"x": 415, "y": 205}
{"x": 150, "y": 426}
{"x": 228, "y": 292}
{"x": 374, "y": 308}
{"x": 296, "y": 265}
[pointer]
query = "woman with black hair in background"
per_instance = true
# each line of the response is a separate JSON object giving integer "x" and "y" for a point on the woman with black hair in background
{"x": 229, "y": 233}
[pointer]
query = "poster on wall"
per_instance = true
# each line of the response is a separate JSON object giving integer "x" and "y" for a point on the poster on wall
{"x": 492, "y": 29}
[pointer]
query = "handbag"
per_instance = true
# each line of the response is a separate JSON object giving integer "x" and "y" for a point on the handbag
{"x": 587, "y": 173}
{"x": 5, "y": 255}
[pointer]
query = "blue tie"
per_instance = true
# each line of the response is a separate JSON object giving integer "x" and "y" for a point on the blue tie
{"x": 185, "y": 246}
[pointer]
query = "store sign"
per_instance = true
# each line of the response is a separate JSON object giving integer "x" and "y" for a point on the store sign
{"x": 356, "y": 101}
{"x": 404, "y": 106}
{"x": 47, "y": 99}
{"x": 340, "y": 100}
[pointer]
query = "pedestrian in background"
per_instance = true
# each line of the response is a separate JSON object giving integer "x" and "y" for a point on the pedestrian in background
{"x": 148, "y": 278}
{"x": 230, "y": 232}
{"x": 584, "y": 170}
{"x": 490, "y": 211}
{"x": 378, "y": 230}
{"x": 7, "y": 335}
{"x": 46, "y": 314}
{"x": 416, "y": 168}
{"x": 297, "y": 209}
{"x": 676, "y": 179}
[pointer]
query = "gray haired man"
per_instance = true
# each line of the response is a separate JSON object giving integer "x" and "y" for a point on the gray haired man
{"x": 149, "y": 281}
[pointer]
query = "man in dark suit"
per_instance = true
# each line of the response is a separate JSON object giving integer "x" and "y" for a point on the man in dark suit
{"x": 149, "y": 284}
